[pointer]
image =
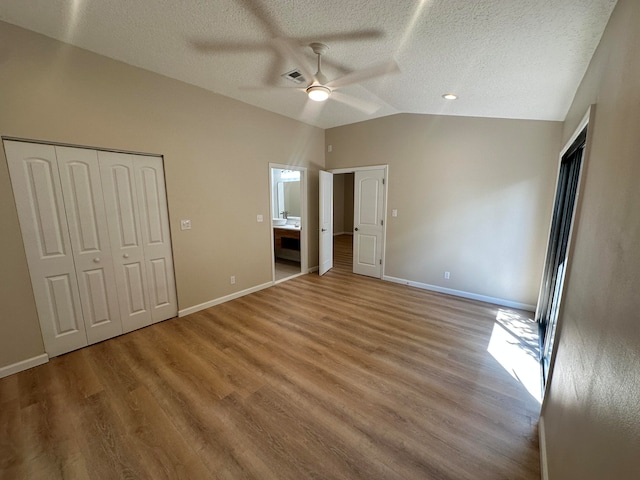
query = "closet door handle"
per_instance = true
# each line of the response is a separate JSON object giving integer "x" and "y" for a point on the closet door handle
{"x": 126, "y": 255}
{"x": 96, "y": 260}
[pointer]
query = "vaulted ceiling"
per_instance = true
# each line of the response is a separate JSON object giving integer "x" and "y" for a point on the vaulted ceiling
{"x": 503, "y": 58}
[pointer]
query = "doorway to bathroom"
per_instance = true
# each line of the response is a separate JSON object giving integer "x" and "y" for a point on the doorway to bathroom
{"x": 288, "y": 208}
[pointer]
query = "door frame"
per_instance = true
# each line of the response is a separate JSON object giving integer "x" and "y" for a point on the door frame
{"x": 304, "y": 224}
{"x": 385, "y": 191}
{"x": 586, "y": 122}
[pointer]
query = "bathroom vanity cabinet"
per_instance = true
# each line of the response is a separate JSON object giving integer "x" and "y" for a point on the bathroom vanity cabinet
{"x": 286, "y": 242}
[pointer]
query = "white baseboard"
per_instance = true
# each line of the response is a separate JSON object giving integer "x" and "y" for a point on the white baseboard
{"x": 23, "y": 365}
{"x": 460, "y": 293}
{"x": 544, "y": 468}
{"x": 313, "y": 269}
{"x": 226, "y": 298}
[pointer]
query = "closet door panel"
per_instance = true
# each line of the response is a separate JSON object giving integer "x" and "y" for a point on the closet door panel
{"x": 61, "y": 305}
{"x": 82, "y": 190}
{"x": 160, "y": 282}
{"x": 43, "y": 222}
{"x": 100, "y": 310}
{"x": 135, "y": 287}
{"x": 47, "y": 222}
{"x": 124, "y": 201}
{"x": 123, "y": 216}
{"x": 156, "y": 237}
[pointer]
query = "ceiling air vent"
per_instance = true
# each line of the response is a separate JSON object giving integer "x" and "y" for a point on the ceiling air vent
{"x": 295, "y": 76}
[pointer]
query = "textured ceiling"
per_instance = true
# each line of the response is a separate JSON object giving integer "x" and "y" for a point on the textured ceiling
{"x": 504, "y": 58}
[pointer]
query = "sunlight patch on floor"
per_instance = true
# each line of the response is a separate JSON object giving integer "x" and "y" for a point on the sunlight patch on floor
{"x": 514, "y": 344}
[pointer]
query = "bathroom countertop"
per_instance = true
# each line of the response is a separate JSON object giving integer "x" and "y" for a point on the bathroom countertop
{"x": 287, "y": 227}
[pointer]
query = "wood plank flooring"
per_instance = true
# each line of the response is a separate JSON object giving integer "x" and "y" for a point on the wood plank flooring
{"x": 333, "y": 377}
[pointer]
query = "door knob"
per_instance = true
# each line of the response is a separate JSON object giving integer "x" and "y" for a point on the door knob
{"x": 126, "y": 255}
{"x": 356, "y": 229}
{"x": 96, "y": 260}
{"x": 324, "y": 229}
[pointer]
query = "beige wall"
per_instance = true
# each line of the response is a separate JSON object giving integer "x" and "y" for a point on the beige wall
{"x": 216, "y": 151}
{"x": 474, "y": 197}
{"x": 592, "y": 409}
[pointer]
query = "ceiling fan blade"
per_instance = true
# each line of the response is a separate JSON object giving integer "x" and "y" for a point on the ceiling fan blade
{"x": 333, "y": 65}
{"x": 208, "y": 46}
{"x": 262, "y": 15}
{"x": 358, "y": 76}
{"x": 275, "y": 70}
{"x": 369, "y": 34}
{"x": 288, "y": 50}
{"x": 262, "y": 88}
{"x": 358, "y": 104}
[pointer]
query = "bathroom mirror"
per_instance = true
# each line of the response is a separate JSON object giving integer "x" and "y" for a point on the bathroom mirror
{"x": 289, "y": 198}
{"x": 286, "y": 193}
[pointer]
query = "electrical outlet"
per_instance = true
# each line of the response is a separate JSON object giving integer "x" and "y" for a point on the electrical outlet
{"x": 233, "y": 279}
{"x": 260, "y": 218}
{"x": 447, "y": 275}
{"x": 394, "y": 213}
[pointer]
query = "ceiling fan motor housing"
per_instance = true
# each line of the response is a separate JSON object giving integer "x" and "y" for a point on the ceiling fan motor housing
{"x": 319, "y": 48}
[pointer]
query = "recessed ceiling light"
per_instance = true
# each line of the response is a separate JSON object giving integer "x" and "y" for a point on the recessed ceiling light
{"x": 449, "y": 96}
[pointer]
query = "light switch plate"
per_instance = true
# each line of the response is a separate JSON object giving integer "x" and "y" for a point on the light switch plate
{"x": 394, "y": 213}
{"x": 185, "y": 224}
{"x": 260, "y": 218}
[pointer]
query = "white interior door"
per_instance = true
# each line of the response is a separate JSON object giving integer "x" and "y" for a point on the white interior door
{"x": 123, "y": 216}
{"x": 84, "y": 204}
{"x": 326, "y": 222}
{"x": 40, "y": 205}
{"x": 156, "y": 237}
{"x": 368, "y": 217}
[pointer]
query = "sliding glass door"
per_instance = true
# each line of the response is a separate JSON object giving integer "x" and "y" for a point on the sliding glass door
{"x": 556, "y": 262}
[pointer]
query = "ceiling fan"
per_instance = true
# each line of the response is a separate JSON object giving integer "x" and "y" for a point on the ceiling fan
{"x": 268, "y": 24}
{"x": 320, "y": 87}
{"x": 286, "y": 48}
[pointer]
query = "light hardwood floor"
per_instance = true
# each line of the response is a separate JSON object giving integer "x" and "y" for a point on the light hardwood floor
{"x": 333, "y": 377}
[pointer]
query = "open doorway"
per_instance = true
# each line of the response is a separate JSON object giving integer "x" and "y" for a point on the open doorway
{"x": 343, "y": 204}
{"x": 353, "y": 203}
{"x": 287, "y": 187}
{"x": 343, "y": 221}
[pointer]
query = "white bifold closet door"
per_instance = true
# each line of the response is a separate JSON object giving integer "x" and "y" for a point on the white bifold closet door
{"x": 43, "y": 221}
{"x": 134, "y": 193}
{"x": 156, "y": 237}
{"x": 96, "y": 233}
{"x": 86, "y": 217}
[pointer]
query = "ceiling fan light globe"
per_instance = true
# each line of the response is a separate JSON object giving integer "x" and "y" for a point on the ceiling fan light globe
{"x": 318, "y": 93}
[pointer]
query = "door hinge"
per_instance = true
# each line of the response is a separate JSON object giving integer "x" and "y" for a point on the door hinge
{"x": 381, "y": 222}
{"x": 380, "y": 261}
{"x": 383, "y": 181}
